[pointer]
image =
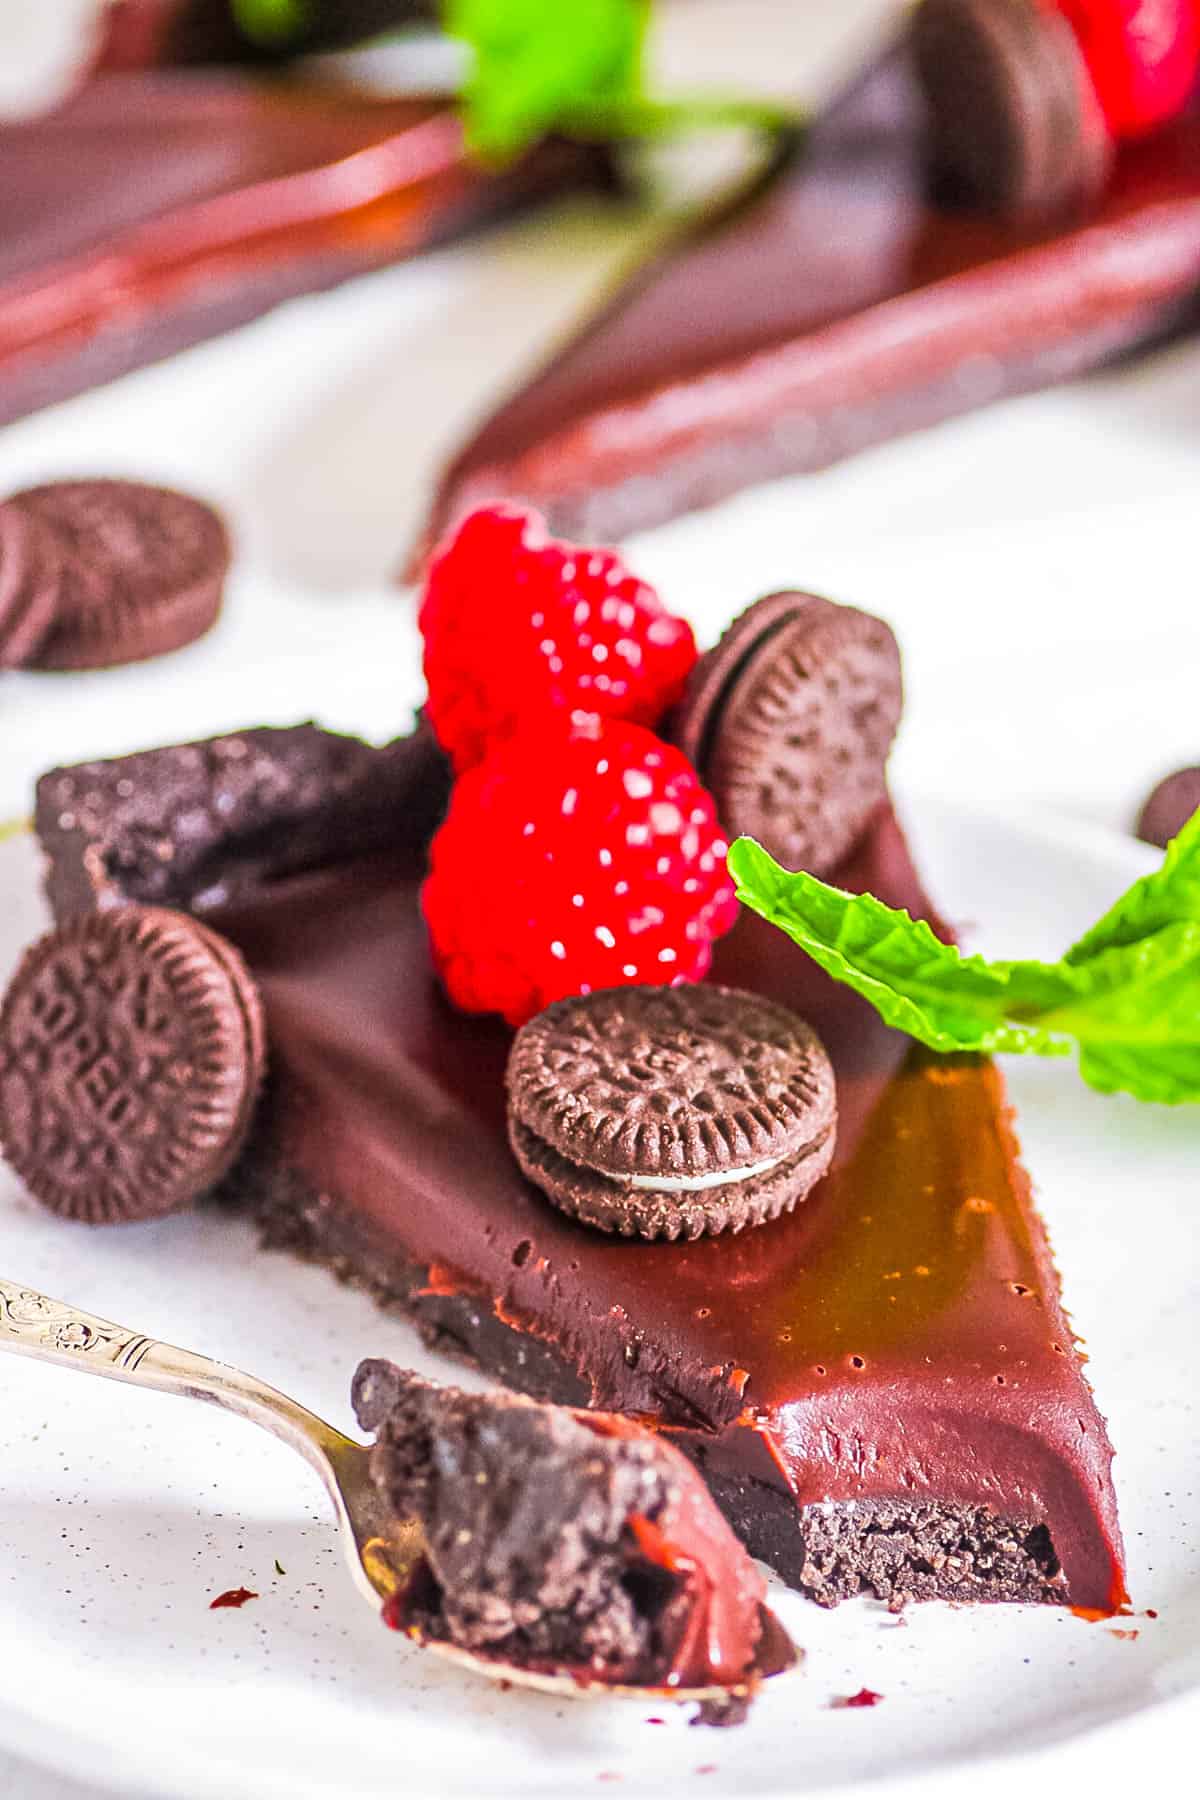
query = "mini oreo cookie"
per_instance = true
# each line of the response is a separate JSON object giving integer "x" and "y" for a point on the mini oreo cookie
{"x": 143, "y": 570}
{"x": 789, "y": 721}
{"x": 671, "y": 1112}
{"x": 1014, "y": 123}
{"x": 131, "y": 1056}
{"x": 31, "y": 574}
{"x": 1169, "y": 807}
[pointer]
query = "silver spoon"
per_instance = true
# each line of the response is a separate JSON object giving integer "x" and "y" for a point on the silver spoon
{"x": 382, "y": 1550}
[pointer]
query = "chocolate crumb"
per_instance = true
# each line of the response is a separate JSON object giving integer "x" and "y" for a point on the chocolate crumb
{"x": 722, "y": 1713}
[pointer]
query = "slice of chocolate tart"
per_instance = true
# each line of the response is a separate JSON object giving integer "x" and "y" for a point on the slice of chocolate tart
{"x": 161, "y": 207}
{"x": 828, "y": 309}
{"x": 881, "y": 1388}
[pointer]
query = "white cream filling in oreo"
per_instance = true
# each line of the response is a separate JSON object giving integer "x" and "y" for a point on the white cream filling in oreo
{"x": 697, "y": 1184}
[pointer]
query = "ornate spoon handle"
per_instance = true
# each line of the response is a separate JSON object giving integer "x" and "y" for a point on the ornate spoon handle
{"x": 51, "y": 1331}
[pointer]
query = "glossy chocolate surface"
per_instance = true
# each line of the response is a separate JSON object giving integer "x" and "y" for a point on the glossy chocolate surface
{"x": 161, "y": 207}
{"x": 837, "y": 307}
{"x": 724, "y": 1627}
{"x": 899, "y": 1336}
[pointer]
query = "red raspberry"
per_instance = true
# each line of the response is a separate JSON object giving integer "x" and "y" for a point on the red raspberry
{"x": 579, "y": 858}
{"x": 517, "y": 624}
{"x": 1142, "y": 56}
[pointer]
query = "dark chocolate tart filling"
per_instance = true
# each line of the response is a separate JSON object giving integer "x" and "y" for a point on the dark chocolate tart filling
{"x": 881, "y": 1389}
{"x": 832, "y": 308}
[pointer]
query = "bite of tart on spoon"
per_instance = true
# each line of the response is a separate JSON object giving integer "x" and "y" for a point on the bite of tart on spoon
{"x": 547, "y": 1547}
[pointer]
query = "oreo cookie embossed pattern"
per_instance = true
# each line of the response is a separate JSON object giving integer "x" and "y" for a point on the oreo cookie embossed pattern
{"x": 789, "y": 721}
{"x": 671, "y": 1112}
{"x": 131, "y": 1055}
{"x": 144, "y": 570}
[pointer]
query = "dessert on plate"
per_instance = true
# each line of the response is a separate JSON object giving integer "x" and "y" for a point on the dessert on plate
{"x": 202, "y": 197}
{"x": 1007, "y": 196}
{"x": 869, "y": 1364}
{"x": 474, "y": 1018}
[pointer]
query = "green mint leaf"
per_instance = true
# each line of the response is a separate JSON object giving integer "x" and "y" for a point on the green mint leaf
{"x": 535, "y": 64}
{"x": 272, "y": 23}
{"x": 1170, "y": 1077}
{"x": 914, "y": 981}
{"x": 1172, "y": 892}
{"x": 1138, "y": 1016}
{"x": 1128, "y": 994}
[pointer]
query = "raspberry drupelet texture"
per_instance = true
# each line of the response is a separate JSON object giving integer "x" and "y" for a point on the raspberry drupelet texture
{"x": 585, "y": 856}
{"x": 1142, "y": 56}
{"x": 517, "y": 625}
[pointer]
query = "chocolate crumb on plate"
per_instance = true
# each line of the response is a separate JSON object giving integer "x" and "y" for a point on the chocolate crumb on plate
{"x": 143, "y": 570}
{"x": 671, "y": 1112}
{"x": 131, "y": 1055}
{"x": 789, "y": 720}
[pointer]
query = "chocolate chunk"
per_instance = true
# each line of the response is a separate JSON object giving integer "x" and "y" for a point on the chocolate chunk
{"x": 131, "y": 1055}
{"x": 789, "y": 721}
{"x": 30, "y": 582}
{"x": 143, "y": 570}
{"x": 566, "y": 1541}
{"x": 1014, "y": 123}
{"x": 671, "y": 1112}
{"x": 1169, "y": 807}
{"x": 200, "y": 825}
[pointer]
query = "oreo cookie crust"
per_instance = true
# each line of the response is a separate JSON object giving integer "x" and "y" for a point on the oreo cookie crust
{"x": 789, "y": 720}
{"x": 143, "y": 570}
{"x": 131, "y": 1056}
{"x": 671, "y": 1112}
{"x": 202, "y": 825}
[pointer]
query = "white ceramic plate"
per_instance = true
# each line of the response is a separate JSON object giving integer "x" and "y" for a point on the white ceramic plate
{"x": 122, "y": 1514}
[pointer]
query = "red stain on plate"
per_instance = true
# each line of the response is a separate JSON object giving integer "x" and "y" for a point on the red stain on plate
{"x": 232, "y": 1597}
{"x": 864, "y": 1697}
